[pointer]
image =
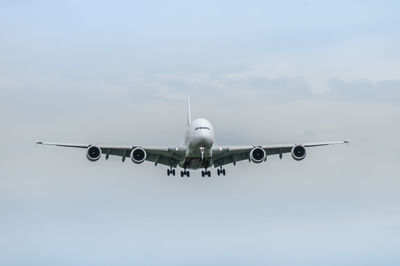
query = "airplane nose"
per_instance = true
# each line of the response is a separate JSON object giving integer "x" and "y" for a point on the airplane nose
{"x": 204, "y": 140}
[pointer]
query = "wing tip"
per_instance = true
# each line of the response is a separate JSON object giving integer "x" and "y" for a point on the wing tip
{"x": 38, "y": 142}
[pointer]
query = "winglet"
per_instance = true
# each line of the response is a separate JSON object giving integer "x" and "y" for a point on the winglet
{"x": 189, "y": 116}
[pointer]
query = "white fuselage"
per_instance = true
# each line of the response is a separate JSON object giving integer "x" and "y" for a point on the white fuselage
{"x": 198, "y": 141}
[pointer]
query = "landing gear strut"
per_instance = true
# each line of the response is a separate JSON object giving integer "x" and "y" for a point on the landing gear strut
{"x": 183, "y": 173}
{"x": 171, "y": 172}
{"x": 204, "y": 173}
{"x": 221, "y": 171}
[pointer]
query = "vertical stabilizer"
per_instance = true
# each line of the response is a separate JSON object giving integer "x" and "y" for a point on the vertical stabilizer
{"x": 189, "y": 116}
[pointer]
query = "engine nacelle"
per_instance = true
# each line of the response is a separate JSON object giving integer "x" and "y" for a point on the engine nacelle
{"x": 138, "y": 155}
{"x": 93, "y": 153}
{"x": 258, "y": 155}
{"x": 298, "y": 152}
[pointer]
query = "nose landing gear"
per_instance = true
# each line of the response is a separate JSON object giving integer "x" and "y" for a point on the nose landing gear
{"x": 202, "y": 153}
{"x": 221, "y": 171}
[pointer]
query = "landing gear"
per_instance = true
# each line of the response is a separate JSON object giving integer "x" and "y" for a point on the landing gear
{"x": 204, "y": 173}
{"x": 171, "y": 172}
{"x": 221, "y": 171}
{"x": 183, "y": 173}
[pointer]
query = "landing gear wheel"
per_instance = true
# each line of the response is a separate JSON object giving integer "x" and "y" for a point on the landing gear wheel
{"x": 183, "y": 173}
{"x": 205, "y": 173}
{"x": 221, "y": 171}
{"x": 171, "y": 172}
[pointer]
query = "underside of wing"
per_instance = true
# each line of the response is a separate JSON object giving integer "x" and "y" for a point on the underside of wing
{"x": 169, "y": 156}
{"x": 257, "y": 154}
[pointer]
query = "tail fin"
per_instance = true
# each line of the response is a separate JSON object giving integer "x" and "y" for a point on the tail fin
{"x": 189, "y": 116}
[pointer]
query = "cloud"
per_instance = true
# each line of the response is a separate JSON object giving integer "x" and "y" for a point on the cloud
{"x": 364, "y": 90}
{"x": 251, "y": 86}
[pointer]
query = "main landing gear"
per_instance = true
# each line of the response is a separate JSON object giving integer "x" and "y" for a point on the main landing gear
{"x": 183, "y": 173}
{"x": 171, "y": 172}
{"x": 204, "y": 173}
{"x": 221, "y": 171}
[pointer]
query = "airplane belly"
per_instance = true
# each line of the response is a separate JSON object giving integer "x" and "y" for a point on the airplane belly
{"x": 195, "y": 163}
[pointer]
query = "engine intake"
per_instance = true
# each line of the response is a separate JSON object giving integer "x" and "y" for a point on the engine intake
{"x": 138, "y": 155}
{"x": 298, "y": 152}
{"x": 258, "y": 155}
{"x": 93, "y": 153}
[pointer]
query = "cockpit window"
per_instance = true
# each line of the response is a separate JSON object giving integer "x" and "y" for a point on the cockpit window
{"x": 206, "y": 128}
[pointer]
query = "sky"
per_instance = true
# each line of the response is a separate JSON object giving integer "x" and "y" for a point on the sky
{"x": 263, "y": 72}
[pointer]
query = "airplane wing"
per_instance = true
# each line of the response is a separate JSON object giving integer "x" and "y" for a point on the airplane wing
{"x": 169, "y": 156}
{"x": 227, "y": 155}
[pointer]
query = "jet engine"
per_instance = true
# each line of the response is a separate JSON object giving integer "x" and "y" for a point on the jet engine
{"x": 298, "y": 152}
{"x": 138, "y": 155}
{"x": 257, "y": 155}
{"x": 93, "y": 153}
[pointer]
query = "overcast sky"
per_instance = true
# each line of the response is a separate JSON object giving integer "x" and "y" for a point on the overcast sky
{"x": 262, "y": 72}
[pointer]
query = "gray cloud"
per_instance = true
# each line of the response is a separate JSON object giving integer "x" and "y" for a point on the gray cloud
{"x": 365, "y": 90}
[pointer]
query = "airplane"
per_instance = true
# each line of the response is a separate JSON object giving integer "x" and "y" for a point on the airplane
{"x": 198, "y": 151}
